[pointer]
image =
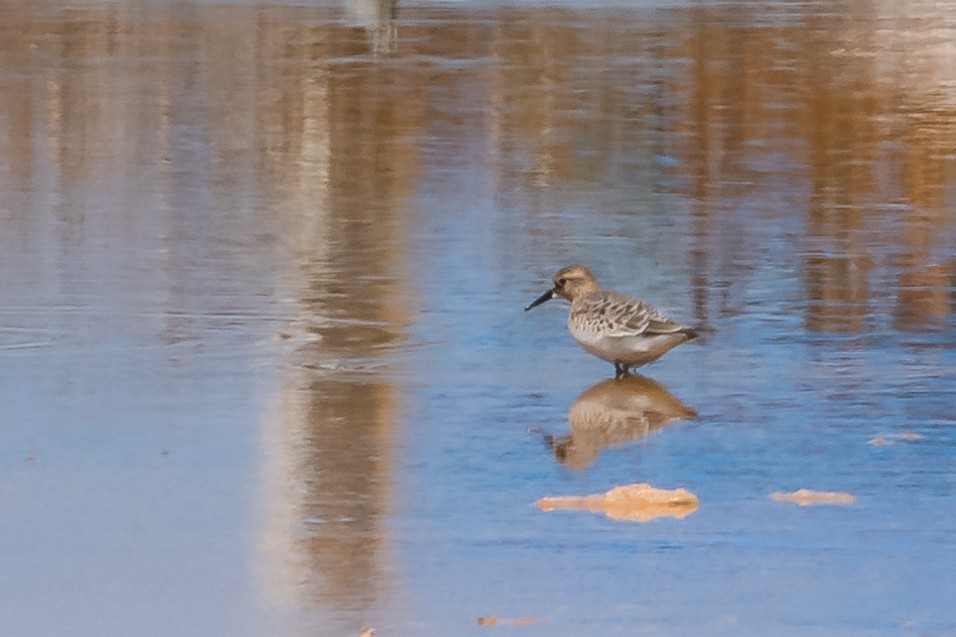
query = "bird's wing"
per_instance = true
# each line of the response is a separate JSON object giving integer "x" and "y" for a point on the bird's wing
{"x": 660, "y": 324}
{"x": 625, "y": 317}
{"x": 633, "y": 317}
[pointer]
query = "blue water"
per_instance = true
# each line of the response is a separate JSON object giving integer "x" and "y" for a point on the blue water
{"x": 264, "y": 364}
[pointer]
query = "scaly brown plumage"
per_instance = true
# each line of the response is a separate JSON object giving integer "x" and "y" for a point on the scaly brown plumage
{"x": 622, "y": 330}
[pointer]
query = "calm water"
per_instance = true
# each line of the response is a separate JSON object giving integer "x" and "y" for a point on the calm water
{"x": 264, "y": 368}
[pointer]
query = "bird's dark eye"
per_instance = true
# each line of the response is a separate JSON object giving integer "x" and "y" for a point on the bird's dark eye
{"x": 561, "y": 282}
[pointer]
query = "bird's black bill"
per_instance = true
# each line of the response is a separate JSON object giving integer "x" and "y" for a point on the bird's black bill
{"x": 547, "y": 296}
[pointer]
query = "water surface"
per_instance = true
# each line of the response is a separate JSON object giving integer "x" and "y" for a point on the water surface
{"x": 265, "y": 369}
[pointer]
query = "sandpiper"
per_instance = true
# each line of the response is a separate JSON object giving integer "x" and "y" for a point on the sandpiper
{"x": 620, "y": 329}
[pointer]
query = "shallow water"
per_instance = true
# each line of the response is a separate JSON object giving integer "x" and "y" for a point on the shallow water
{"x": 265, "y": 369}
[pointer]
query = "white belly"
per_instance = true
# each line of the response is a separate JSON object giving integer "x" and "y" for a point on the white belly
{"x": 628, "y": 350}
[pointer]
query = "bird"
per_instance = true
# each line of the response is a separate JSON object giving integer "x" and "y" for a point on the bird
{"x": 620, "y": 329}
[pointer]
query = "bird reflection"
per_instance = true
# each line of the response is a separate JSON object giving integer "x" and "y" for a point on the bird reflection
{"x": 612, "y": 413}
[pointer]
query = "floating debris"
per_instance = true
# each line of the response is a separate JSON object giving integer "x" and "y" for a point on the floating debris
{"x": 634, "y": 502}
{"x": 890, "y": 439}
{"x": 367, "y": 631}
{"x": 805, "y": 497}
{"x": 491, "y": 620}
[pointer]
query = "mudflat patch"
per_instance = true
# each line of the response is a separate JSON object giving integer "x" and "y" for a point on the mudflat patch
{"x": 492, "y": 620}
{"x": 806, "y": 497}
{"x": 634, "y": 502}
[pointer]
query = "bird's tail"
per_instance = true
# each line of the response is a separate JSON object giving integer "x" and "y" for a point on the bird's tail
{"x": 703, "y": 332}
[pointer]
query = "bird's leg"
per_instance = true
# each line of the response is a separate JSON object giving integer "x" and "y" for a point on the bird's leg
{"x": 620, "y": 370}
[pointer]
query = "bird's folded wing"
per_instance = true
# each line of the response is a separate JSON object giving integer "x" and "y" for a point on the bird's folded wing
{"x": 627, "y": 319}
{"x": 636, "y": 318}
{"x": 663, "y": 327}
{"x": 657, "y": 323}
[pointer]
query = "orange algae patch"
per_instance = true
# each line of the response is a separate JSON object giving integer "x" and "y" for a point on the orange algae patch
{"x": 491, "y": 620}
{"x": 634, "y": 502}
{"x": 804, "y": 497}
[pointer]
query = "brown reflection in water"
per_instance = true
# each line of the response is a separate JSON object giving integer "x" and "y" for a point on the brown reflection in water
{"x": 335, "y": 146}
{"x": 613, "y": 413}
{"x": 238, "y": 137}
{"x": 531, "y": 78}
{"x": 822, "y": 98}
{"x": 828, "y": 117}
{"x": 243, "y": 140}
{"x": 840, "y": 104}
{"x": 729, "y": 120}
{"x": 927, "y": 278}
{"x": 868, "y": 152}
{"x": 377, "y": 18}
